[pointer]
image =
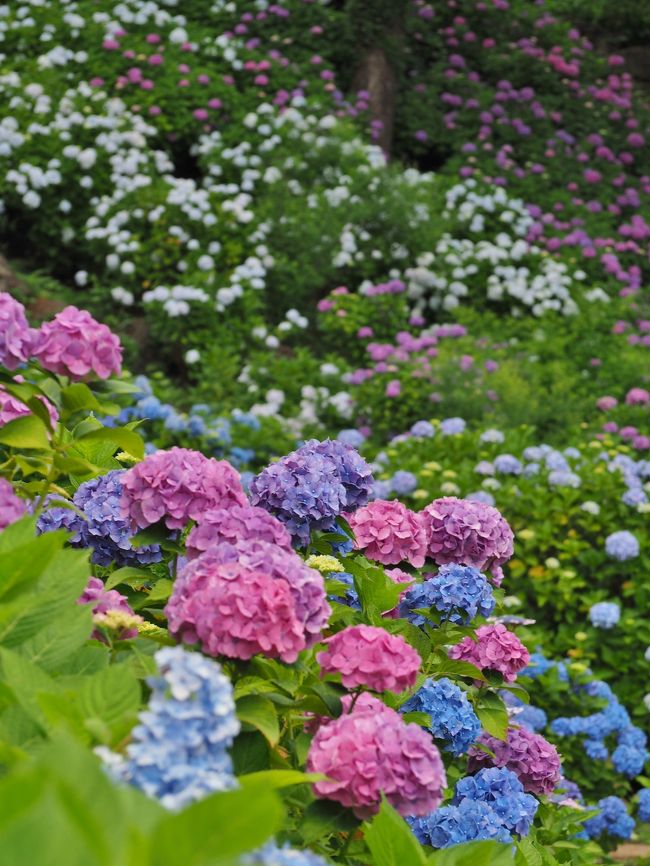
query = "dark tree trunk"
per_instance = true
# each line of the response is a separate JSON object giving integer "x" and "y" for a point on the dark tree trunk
{"x": 378, "y": 28}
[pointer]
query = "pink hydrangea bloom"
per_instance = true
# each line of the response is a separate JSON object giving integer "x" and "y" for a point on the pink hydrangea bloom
{"x": 468, "y": 533}
{"x": 12, "y": 508}
{"x": 389, "y": 532}
{"x": 529, "y": 756}
{"x": 637, "y": 397}
{"x": 307, "y": 584}
{"x": 106, "y": 601}
{"x": 237, "y": 523}
{"x": 178, "y": 485}
{"x": 16, "y": 336}
{"x": 235, "y": 611}
{"x": 74, "y": 344}
{"x": 366, "y": 655}
{"x": 372, "y": 751}
{"x": 496, "y": 649}
{"x": 606, "y": 403}
{"x": 11, "y": 408}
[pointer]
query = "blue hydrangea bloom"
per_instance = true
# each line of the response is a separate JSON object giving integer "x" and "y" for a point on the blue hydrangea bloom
{"x": 596, "y": 749}
{"x": 567, "y": 790}
{"x": 244, "y": 418}
{"x": 452, "y": 716}
{"x": 459, "y": 592}
{"x": 632, "y": 736}
{"x": 634, "y": 496}
{"x": 468, "y": 822}
{"x": 628, "y": 760}
{"x": 564, "y": 478}
{"x": 273, "y": 855}
{"x": 612, "y": 820}
{"x": 351, "y": 598}
{"x": 531, "y": 469}
{"x": 423, "y": 429}
{"x": 352, "y": 437}
{"x": 523, "y": 714}
{"x": 533, "y": 453}
{"x": 507, "y": 464}
{"x": 179, "y": 751}
{"x": 196, "y": 425}
{"x": 403, "y": 483}
{"x": 622, "y": 545}
{"x": 381, "y": 489}
{"x": 452, "y": 426}
{"x": 493, "y": 436}
{"x": 540, "y": 665}
{"x": 643, "y": 812}
{"x": 502, "y": 790}
{"x": 604, "y": 614}
{"x": 484, "y": 467}
{"x": 556, "y": 461}
{"x": 481, "y": 496}
{"x": 102, "y": 527}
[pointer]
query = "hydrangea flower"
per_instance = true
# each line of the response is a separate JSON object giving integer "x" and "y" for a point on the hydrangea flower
{"x": 402, "y": 483}
{"x": 470, "y": 821}
{"x": 371, "y": 751}
{"x": 495, "y": 649}
{"x": 502, "y": 790}
{"x": 239, "y": 522}
{"x": 105, "y": 603}
{"x": 389, "y": 532}
{"x": 525, "y": 715}
{"x": 529, "y": 756}
{"x": 178, "y": 753}
{"x": 423, "y": 429}
{"x": 307, "y": 584}
{"x": 272, "y": 854}
{"x": 507, "y": 464}
{"x": 467, "y": 533}
{"x": 16, "y": 337}
{"x": 12, "y": 508}
{"x": 452, "y": 426}
{"x": 622, "y": 545}
{"x": 74, "y": 344}
{"x": 11, "y": 408}
{"x": 234, "y": 610}
{"x": 366, "y": 655}
{"x": 604, "y": 614}
{"x": 459, "y": 592}
{"x": 629, "y": 760}
{"x": 612, "y": 820}
{"x": 453, "y": 719}
{"x": 643, "y": 810}
{"x": 352, "y": 437}
{"x": 178, "y": 485}
{"x": 312, "y": 486}
{"x": 493, "y": 436}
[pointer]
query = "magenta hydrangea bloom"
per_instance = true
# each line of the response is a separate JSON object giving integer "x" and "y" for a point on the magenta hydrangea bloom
{"x": 637, "y": 397}
{"x": 496, "y": 649}
{"x": 468, "y": 533}
{"x": 235, "y": 611}
{"x": 105, "y": 601}
{"x": 12, "y": 508}
{"x": 11, "y": 408}
{"x": 366, "y": 655}
{"x": 74, "y": 344}
{"x": 389, "y": 532}
{"x": 307, "y": 584}
{"x": 534, "y": 761}
{"x": 370, "y": 752}
{"x": 237, "y": 523}
{"x": 16, "y": 336}
{"x": 178, "y": 485}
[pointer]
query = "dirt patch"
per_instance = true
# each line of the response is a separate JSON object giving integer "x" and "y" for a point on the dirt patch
{"x": 631, "y": 852}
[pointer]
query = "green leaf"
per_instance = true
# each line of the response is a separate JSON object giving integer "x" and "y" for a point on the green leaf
{"x": 323, "y": 817}
{"x": 155, "y": 534}
{"x": 527, "y": 854}
{"x": 474, "y": 854}
{"x": 22, "y": 566}
{"x": 127, "y": 440}
{"x": 260, "y": 712}
{"x": 78, "y": 397}
{"x": 391, "y": 840}
{"x": 60, "y": 639}
{"x": 26, "y": 680}
{"x": 28, "y": 431}
{"x": 129, "y": 576}
{"x": 279, "y": 778}
{"x": 250, "y": 753}
{"x": 218, "y": 828}
{"x": 111, "y": 696}
{"x": 492, "y": 714}
{"x": 161, "y": 590}
{"x": 451, "y": 667}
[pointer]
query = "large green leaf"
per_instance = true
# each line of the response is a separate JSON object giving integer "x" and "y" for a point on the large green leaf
{"x": 22, "y": 566}
{"x": 260, "y": 712}
{"x": 218, "y": 828}
{"x": 110, "y": 698}
{"x": 26, "y": 681}
{"x": 492, "y": 714}
{"x": 391, "y": 840}
{"x": 475, "y": 854}
{"x": 127, "y": 440}
{"x": 61, "y": 638}
{"x": 28, "y": 431}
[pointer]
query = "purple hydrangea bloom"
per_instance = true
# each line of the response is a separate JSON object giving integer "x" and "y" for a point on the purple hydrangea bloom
{"x": 16, "y": 337}
{"x": 11, "y": 507}
{"x": 309, "y": 488}
{"x": 622, "y": 545}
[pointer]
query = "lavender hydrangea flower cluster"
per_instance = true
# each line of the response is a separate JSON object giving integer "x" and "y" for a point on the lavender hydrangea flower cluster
{"x": 179, "y": 751}
{"x": 622, "y": 545}
{"x": 16, "y": 337}
{"x": 531, "y": 758}
{"x": 12, "y": 508}
{"x": 102, "y": 526}
{"x": 458, "y": 592}
{"x": 605, "y": 614}
{"x": 309, "y": 488}
{"x": 453, "y": 719}
{"x": 237, "y": 523}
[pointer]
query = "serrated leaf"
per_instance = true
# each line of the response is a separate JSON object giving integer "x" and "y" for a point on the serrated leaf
{"x": 127, "y": 575}
{"x": 391, "y": 840}
{"x": 474, "y": 854}
{"x": 260, "y": 712}
{"x": 28, "y": 431}
{"x": 323, "y": 817}
{"x": 60, "y": 639}
{"x": 112, "y": 695}
{"x": 129, "y": 441}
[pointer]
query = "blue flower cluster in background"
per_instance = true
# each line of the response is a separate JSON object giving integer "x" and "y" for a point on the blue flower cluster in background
{"x": 272, "y": 854}
{"x": 453, "y": 719}
{"x": 523, "y": 714}
{"x": 622, "y": 545}
{"x": 604, "y": 614}
{"x": 490, "y": 805}
{"x": 612, "y": 820}
{"x": 458, "y": 592}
